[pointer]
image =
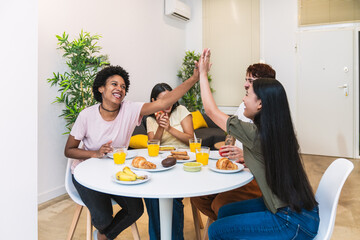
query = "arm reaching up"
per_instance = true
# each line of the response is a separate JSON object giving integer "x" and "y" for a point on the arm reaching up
{"x": 218, "y": 117}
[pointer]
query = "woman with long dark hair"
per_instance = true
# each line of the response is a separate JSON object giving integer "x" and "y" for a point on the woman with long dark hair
{"x": 174, "y": 127}
{"x": 287, "y": 209}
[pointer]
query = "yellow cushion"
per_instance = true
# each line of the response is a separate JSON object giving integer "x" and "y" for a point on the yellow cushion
{"x": 198, "y": 120}
{"x": 138, "y": 141}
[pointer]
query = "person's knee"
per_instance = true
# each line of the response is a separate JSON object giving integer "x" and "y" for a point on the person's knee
{"x": 137, "y": 210}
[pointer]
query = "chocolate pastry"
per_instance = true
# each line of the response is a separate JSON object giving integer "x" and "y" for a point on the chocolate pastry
{"x": 168, "y": 162}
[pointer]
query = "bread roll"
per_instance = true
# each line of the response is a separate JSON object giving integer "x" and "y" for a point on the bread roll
{"x": 141, "y": 162}
{"x": 226, "y": 164}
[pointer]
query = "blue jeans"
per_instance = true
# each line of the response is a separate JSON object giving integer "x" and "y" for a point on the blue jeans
{"x": 251, "y": 219}
{"x": 152, "y": 206}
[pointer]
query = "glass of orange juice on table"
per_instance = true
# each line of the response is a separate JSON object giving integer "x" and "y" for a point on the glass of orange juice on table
{"x": 202, "y": 155}
{"x": 119, "y": 155}
{"x": 194, "y": 143}
{"x": 153, "y": 147}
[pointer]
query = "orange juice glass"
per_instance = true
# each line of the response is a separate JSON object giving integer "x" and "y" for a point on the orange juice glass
{"x": 194, "y": 143}
{"x": 153, "y": 147}
{"x": 202, "y": 155}
{"x": 119, "y": 155}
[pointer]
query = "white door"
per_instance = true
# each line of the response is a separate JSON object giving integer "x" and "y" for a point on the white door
{"x": 325, "y": 93}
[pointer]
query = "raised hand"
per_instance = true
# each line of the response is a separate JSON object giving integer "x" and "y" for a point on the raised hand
{"x": 204, "y": 62}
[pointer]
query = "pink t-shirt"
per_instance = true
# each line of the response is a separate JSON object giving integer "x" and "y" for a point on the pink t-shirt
{"x": 94, "y": 131}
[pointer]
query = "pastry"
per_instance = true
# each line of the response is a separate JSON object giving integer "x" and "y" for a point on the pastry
{"x": 226, "y": 164}
{"x": 168, "y": 162}
{"x": 180, "y": 157}
{"x": 167, "y": 148}
{"x": 141, "y": 162}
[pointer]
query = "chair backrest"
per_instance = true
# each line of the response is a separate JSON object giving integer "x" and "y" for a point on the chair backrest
{"x": 328, "y": 194}
{"x": 69, "y": 185}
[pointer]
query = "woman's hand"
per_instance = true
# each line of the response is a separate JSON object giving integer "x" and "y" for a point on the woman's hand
{"x": 104, "y": 149}
{"x": 164, "y": 121}
{"x": 232, "y": 152}
{"x": 204, "y": 62}
{"x": 196, "y": 74}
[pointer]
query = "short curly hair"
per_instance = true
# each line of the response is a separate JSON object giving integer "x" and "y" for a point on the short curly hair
{"x": 104, "y": 74}
{"x": 261, "y": 70}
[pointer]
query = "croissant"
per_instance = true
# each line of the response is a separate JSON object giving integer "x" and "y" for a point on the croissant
{"x": 226, "y": 164}
{"x": 141, "y": 162}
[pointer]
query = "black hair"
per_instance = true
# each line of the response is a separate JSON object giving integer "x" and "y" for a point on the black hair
{"x": 285, "y": 173}
{"x": 104, "y": 74}
{"x": 159, "y": 88}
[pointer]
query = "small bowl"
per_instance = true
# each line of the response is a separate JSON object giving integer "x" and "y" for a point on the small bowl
{"x": 192, "y": 166}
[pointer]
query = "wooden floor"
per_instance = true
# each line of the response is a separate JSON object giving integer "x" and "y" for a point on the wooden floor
{"x": 54, "y": 217}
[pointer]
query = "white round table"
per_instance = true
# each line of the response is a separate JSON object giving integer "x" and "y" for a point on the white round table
{"x": 96, "y": 174}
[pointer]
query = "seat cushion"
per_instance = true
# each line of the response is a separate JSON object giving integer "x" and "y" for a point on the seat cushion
{"x": 138, "y": 141}
{"x": 210, "y": 136}
{"x": 198, "y": 120}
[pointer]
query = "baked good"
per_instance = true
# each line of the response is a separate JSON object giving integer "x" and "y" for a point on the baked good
{"x": 166, "y": 148}
{"x": 168, "y": 162}
{"x": 180, "y": 155}
{"x": 226, "y": 164}
{"x": 141, "y": 162}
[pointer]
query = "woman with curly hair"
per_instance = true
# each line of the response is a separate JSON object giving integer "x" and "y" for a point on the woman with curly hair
{"x": 287, "y": 208}
{"x": 111, "y": 123}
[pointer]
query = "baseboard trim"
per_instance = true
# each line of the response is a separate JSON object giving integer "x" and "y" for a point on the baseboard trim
{"x": 46, "y": 196}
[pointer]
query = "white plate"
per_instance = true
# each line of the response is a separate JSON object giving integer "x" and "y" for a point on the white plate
{"x": 137, "y": 181}
{"x": 156, "y": 160}
{"x": 214, "y": 154}
{"x": 212, "y": 166}
{"x": 191, "y": 155}
{"x": 130, "y": 154}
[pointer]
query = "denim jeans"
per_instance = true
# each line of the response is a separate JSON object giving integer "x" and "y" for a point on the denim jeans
{"x": 251, "y": 219}
{"x": 101, "y": 211}
{"x": 152, "y": 206}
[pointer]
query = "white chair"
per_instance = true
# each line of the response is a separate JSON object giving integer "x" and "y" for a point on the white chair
{"x": 74, "y": 195}
{"x": 328, "y": 193}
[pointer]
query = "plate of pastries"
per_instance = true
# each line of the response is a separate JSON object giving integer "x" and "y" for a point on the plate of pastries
{"x": 224, "y": 165}
{"x": 141, "y": 163}
{"x": 182, "y": 155}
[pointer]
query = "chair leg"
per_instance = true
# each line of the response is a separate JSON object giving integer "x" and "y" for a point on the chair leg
{"x": 135, "y": 231}
{"x": 208, "y": 223}
{"x": 200, "y": 220}
{"x": 197, "y": 221}
{"x": 74, "y": 222}
{"x": 88, "y": 225}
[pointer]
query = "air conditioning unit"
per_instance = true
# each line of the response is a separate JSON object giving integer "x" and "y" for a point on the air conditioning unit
{"x": 177, "y": 9}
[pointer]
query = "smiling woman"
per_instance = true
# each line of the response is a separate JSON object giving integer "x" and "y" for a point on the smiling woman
{"x": 109, "y": 124}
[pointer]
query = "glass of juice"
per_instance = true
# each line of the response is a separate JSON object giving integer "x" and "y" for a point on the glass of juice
{"x": 194, "y": 143}
{"x": 153, "y": 147}
{"x": 119, "y": 155}
{"x": 202, "y": 155}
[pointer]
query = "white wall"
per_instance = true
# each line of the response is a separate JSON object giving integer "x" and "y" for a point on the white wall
{"x": 278, "y": 27}
{"x": 18, "y": 122}
{"x": 136, "y": 35}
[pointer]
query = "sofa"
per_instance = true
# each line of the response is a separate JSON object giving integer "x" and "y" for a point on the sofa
{"x": 210, "y": 135}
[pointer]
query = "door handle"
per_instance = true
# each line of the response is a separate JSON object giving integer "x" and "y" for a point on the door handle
{"x": 343, "y": 86}
{"x": 346, "y": 89}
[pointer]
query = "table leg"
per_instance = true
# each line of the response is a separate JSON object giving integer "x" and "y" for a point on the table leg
{"x": 166, "y": 211}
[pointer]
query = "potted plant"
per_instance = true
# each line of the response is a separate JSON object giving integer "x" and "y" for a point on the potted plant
{"x": 83, "y": 60}
{"x": 192, "y": 99}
